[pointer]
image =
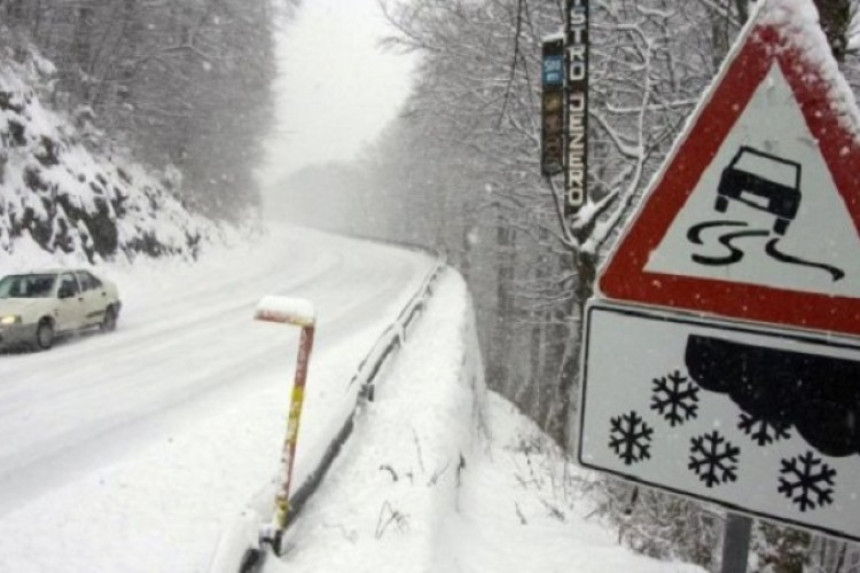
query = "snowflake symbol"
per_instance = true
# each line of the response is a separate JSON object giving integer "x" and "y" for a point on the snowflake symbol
{"x": 808, "y": 481}
{"x": 675, "y": 395}
{"x": 630, "y": 437}
{"x": 763, "y": 431}
{"x": 714, "y": 462}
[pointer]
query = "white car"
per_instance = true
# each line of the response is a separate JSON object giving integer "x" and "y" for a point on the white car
{"x": 37, "y": 307}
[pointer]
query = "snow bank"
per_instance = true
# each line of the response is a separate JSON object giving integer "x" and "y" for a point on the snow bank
{"x": 525, "y": 507}
{"x": 399, "y": 476}
{"x": 441, "y": 476}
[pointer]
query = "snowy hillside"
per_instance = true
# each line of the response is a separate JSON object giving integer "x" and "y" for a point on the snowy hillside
{"x": 65, "y": 190}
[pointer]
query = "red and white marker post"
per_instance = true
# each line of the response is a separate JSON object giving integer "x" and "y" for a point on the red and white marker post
{"x": 298, "y": 312}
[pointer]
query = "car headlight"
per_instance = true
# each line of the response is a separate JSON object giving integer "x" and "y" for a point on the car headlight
{"x": 9, "y": 320}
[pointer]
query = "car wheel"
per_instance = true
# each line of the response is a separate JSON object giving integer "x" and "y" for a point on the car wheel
{"x": 781, "y": 226}
{"x": 45, "y": 334}
{"x": 109, "y": 321}
{"x": 722, "y": 204}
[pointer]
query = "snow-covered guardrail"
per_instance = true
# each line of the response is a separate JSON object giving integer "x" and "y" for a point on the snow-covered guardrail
{"x": 366, "y": 375}
{"x": 239, "y": 549}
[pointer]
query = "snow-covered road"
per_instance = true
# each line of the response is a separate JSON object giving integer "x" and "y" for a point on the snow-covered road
{"x": 129, "y": 451}
{"x": 137, "y": 451}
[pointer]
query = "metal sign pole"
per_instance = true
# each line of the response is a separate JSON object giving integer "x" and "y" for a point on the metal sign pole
{"x": 576, "y": 89}
{"x": 736, "y": 543}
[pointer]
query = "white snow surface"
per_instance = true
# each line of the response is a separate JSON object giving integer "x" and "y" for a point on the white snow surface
{"x": 442, "y": 476}
{"x": 137, "y": 450}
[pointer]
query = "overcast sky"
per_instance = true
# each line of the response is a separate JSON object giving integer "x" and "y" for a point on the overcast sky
{"x": 338, "y": 88}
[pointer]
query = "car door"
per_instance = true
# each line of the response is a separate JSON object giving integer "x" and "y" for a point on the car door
{"x": 95, "y": 299}
{"x": 71, "y": 307}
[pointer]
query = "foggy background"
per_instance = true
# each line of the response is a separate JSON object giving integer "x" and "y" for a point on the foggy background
{"x": 336, "y": 91}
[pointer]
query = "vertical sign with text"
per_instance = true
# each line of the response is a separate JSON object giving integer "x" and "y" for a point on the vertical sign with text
{"x": 552, "y": 107}
{"x": 576, "y": 156}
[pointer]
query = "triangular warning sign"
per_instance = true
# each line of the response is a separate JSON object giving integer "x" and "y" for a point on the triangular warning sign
{"x": 755, "y": 214}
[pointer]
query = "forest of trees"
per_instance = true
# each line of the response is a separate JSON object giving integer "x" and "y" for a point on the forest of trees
{"x": 184, "y": 85}
{"x": 459, "y": 170}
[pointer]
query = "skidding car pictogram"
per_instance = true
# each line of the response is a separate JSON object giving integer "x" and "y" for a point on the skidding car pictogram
{"x": 762, "y": 181}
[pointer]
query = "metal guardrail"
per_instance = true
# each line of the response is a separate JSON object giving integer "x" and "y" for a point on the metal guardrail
{"x": 385, "y": 346}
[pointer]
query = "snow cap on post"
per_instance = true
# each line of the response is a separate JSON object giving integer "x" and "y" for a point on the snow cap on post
{"x": 288, "y": 310}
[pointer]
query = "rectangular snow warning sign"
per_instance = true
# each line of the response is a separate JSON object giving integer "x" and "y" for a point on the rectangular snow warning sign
{"x": 761, "y": 421}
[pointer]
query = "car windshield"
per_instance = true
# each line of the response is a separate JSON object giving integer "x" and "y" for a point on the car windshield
{"x": 780, "y": 172}
{"x": 27, "y": 286}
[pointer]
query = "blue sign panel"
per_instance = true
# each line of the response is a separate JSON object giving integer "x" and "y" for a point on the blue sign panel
{"x": 553, "y": 70}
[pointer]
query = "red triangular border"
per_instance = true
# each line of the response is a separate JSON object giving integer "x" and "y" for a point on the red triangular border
{"x": 625, "y": 278}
